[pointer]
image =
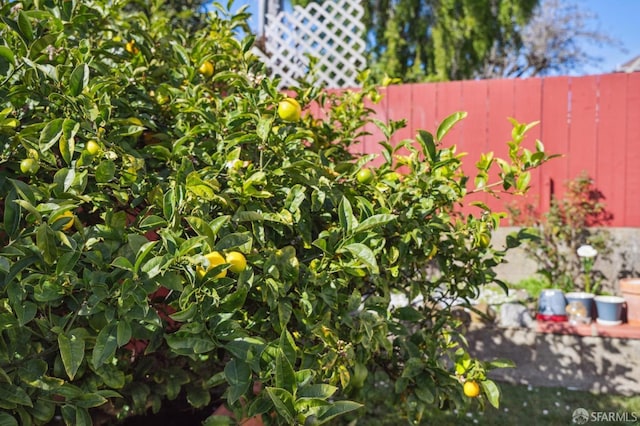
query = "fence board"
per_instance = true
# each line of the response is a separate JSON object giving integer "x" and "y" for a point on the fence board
{"x": 581, "y": 153}
{"x": 612, "y": 144}
{"x": 475, "y": 97}
{"x": 555, "y": 132}
{"x": 632, "y": 177}
{"x": 527, "y": 109}
{"x": 448, "y": 101}
{"x": 593, "y": 121}
{"x": 501, "y": 106}
{"x": 371, "y": 144}
{"x": 423, "y": 111}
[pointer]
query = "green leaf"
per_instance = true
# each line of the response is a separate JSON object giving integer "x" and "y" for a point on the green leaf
{"x": 198, "y": 397}
{"x": 288, "y": 346}
{"x": 238, "y": 375}
{"x": 428, "y": 145}
{"x": 25, "y": 312}
{"x": 186, "y": 314}
{"x": 264, "y": 128}
{"x": 217, "y": 420}
{"x": 7, "y": 419}
{"x": 143, "y": 252}
{"x": 200, "y": 188}
{"x": 14, "y": 394}
{"x": 78, "y": 80}
{"x": 502, "y": 363}
{"x": 106, "y": 345}
{"x": 283, "y": 401}
{"x": 364, "y": 254}
{"x": 12, "y": 213}
{"x": 7, "y": 54}
{"x": 46, "y": 242}
{"x": 123, "y": 332}
{"x": 234, "y": 241}
{"x": 345, "y": 215}
{"x": 202, "y": 228}
{"x": 285, "y": 377}
{"x": 51, "y": 134}
{"x": 492, "y": 391}
{"x": 448, "y": 123}
{"x": 336, "y": 409}
{"x": 320, "y": 390}
{"x": 522, "y": 183}
{"x": 408, "y": 313}
{"x": 111, "y": 376}
{"x": 374, "y": 221}
{"x": 105, "y": 171}
{"x": 25, "y": 27}
{"x": 151, "y": 222}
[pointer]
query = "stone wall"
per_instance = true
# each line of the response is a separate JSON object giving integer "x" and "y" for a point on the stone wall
{"x": 595, "y": 364}
{"x": 625, "y": 260}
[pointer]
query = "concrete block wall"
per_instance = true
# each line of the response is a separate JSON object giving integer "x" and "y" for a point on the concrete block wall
{"x": 625, "y": 260}
{"x": 595, "y": 364}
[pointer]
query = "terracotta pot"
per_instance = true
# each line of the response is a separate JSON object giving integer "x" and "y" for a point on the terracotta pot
{"x": 630, "y": 289}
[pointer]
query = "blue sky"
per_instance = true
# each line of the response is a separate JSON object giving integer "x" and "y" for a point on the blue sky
{"x": 620, "y": 19}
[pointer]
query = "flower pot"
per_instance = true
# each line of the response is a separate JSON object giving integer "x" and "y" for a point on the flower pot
{"x": 630, "y": 289}
{"x": 585, "y": 299}
{"x": 609, "y": 309}
{"x": 551, "y": 306}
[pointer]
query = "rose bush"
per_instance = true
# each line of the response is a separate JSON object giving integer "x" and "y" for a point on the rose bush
{"x": 142, "y": 165}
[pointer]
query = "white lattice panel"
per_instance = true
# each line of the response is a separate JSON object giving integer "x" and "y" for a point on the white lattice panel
{"x": 332, "y": 32}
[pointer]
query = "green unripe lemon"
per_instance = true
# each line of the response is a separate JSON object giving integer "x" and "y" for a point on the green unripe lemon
{"x": 29, "y": 166}
{"x": 364, "y": 176}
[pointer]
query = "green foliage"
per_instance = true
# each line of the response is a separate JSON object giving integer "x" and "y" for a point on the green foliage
{"x": 533, "y": 285}
{"x": 572, "y": 221}
{"x": 118, "y": 310}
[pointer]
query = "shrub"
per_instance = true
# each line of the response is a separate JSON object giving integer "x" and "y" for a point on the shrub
{"x": 572, "y": 221}
{"x": 111, "y": 301}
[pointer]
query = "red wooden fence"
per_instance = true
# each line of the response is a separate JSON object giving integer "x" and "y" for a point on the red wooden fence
{"x": 594, "y": 121}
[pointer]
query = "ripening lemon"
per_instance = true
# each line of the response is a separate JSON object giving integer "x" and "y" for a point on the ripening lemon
{"x": 68, "y": 218}
{"x": 93, "y": 147}
{"x": 289, "y": 110}
{"x": 206, "y": 69}
{"x": 237, "y": 261}
{"x": 471, "y": 388}
{"x": 215, "y": 259}
{"x": 131, "y": 47}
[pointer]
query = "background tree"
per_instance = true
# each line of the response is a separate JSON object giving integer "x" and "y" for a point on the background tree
{"x": 419, "y": 40}
{"x": 556, "y": 40}
{"x": 426, "y": 40}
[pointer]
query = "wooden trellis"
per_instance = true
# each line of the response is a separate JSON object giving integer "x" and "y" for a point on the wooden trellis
{"x": 332, "y": 32}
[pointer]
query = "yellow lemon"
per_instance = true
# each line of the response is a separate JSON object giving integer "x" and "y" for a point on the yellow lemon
{"x": 237, "y": 261}
{"x": 214, "y": 259}
{"x": 206, "y": 69}
{"x": 471, "y": 388}
{"x": 131, "y": 47}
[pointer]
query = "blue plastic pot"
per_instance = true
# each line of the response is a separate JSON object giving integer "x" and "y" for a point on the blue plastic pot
{"x": 609, "y": 309}
{"x": 551, "y": 305}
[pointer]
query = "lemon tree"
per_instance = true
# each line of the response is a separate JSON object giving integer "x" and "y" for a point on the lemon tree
{"x": 222, "y": 249}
